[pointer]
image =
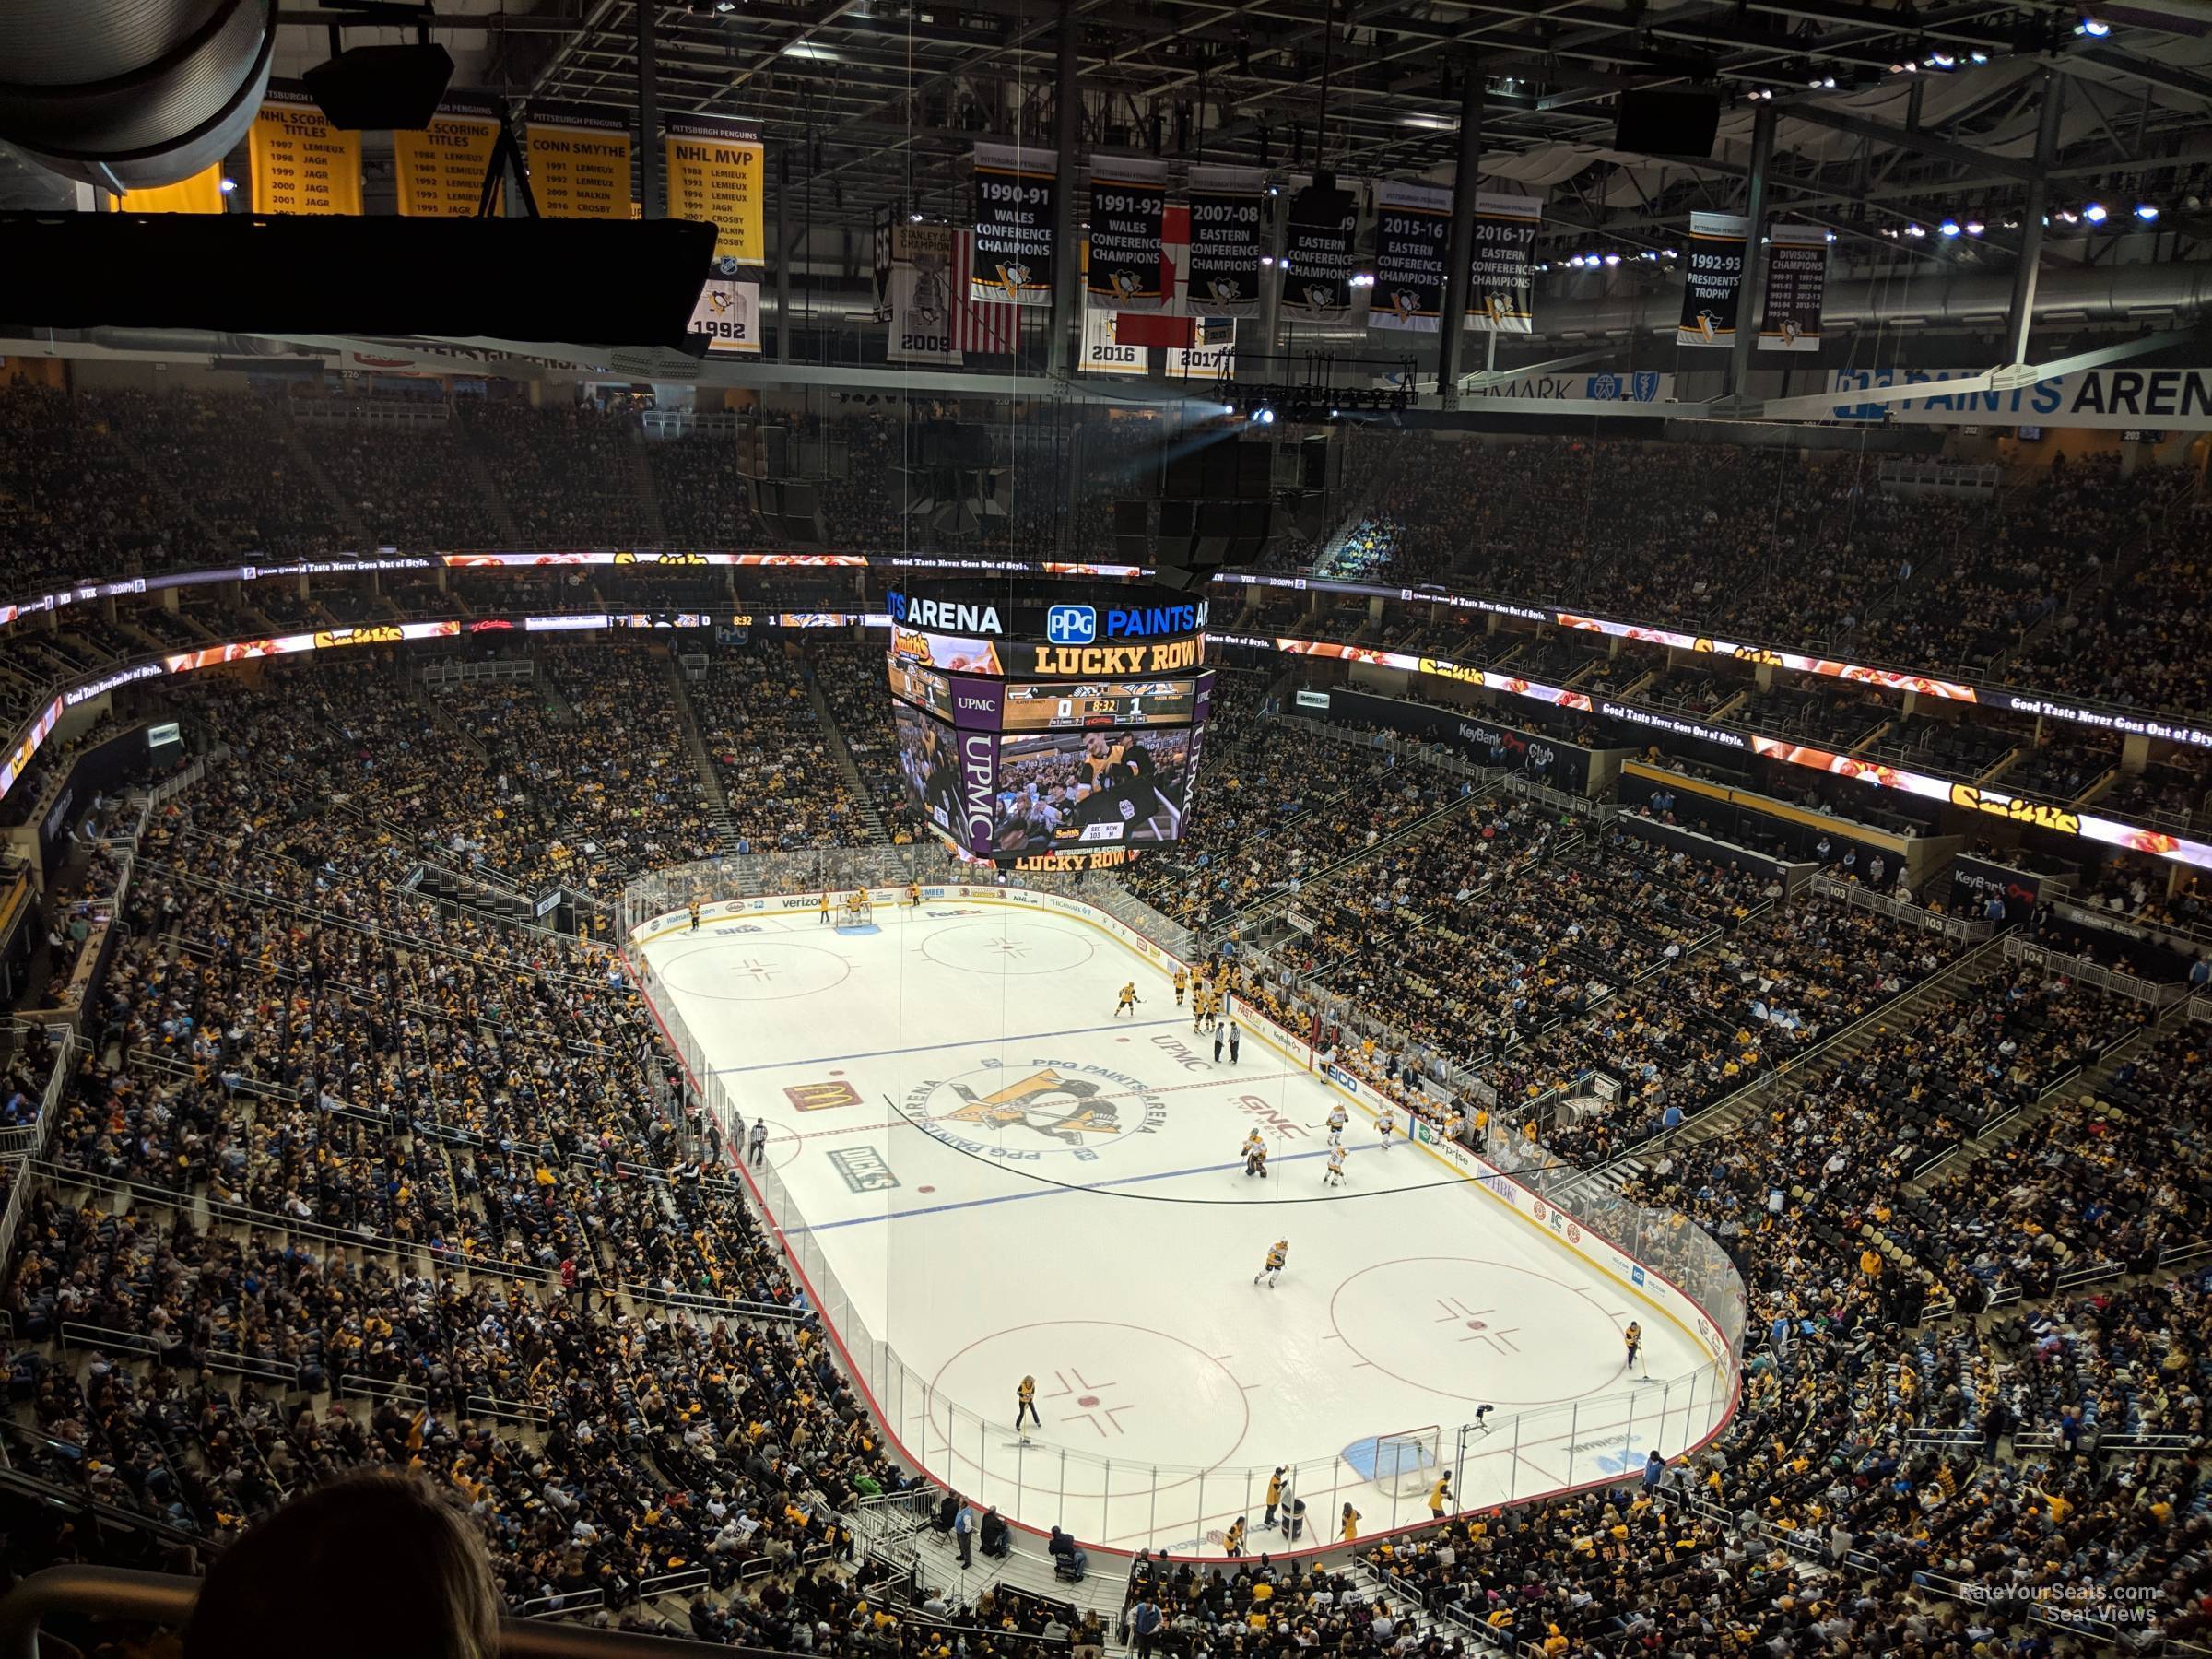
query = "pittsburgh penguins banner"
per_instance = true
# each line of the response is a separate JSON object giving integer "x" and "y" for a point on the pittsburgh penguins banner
{"x": 1502, "y": 286}
{"x": 921, "y": 296}
{"x": 1789, "y": 316}
{"x": 1317, "y": 252}
{"x": 728, "y": 313}
{"x": 201, "y": 192}
{"x": 1129, "y": 199}
{"x": 1412, "y": 225}
{"x": 440, "y": 169}
{"x": 1014, "y": 206}
{"x": 301, "y": 163}
{"x": 578, "y": 161}
{"x": 1712, "y": 283}
{"x": 1225, "y": 241}
{"x": 1104, "y": 350}
{"x": 717, "y": 172}
{"x": 1211, "y": 356}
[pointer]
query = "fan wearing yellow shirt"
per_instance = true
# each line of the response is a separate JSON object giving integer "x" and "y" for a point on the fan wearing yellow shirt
{"x": 1348, "y": 1527}
{"x": 1025, "y": 1400}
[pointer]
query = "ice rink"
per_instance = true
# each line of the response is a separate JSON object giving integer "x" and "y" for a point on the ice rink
{"x": 1003, "y": 1179}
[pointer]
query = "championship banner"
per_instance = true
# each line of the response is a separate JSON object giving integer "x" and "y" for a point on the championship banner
{"x": 1712, "y": 283}
{"x": 717, "y": 172}
{"x": 1317, "y": 253}
{"x": 441, "y": 168}
{"x": 1502, "y": 285}
{"x": 1013, "y": 208}
{"x": 921, "y": 296}
{"x": 728, "y": 313}
{"x": 1128, "y": 200}
{"x": 203, "y": 192}
{"x": 1212, "y": 358}
{"x": 1225, "y": 245}
{"x": 579, "y": 162}
{"x": 1789, "y": 316}
{"x": 301, "y": 163}
{"x": 1104, "y": 352}
{"x": 1413, "y": 226}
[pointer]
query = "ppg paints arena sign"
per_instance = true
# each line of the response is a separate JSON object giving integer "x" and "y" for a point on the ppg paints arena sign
{"x": 2093, "y": 397}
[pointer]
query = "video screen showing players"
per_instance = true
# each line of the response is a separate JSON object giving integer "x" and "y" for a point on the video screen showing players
{"x": 929, "y": 760}
{"x": 1061, "y": 790}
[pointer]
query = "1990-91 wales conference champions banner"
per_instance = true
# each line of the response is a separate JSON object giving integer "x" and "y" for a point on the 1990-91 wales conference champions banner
{"x": 1712, "y": 279}
{"x": 1129, "y": 199}
{"x": 1224, "y": 280}
{"x": 1502, "y": 286}
{"x": 1015, "y": 199}
{"x": 1413, "y": 227}
{"x": 1796, "y": 286}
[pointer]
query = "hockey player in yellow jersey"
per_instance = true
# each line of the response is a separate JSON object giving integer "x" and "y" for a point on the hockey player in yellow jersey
{"x": 1128, "y": 1005}
{"x": 1182, "y": 982}
{"x": 1277, "y": 1253}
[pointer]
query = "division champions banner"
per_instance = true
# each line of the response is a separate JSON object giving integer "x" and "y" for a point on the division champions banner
{"x": 1713, "y": 282}
{"x": 1224, "y": 263}
{"x": 301, "y": 163}
{"x": 1502, "y": 286}
{"x": 441, "y": 168}
{"x": 1789, "y": 315}
{"x": 1413, "y": 226}
{"x": 1129, "y": 199}
{"x": 717, "y": 172}
{"x": 1015, "y": 198}
{"x": 1317, "y": 252}
{"x": 579, "y": 162}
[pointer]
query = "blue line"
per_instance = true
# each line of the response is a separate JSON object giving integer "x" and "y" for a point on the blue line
{"x": 923, "y": 1048}
{"x": 1052, "y": 1191}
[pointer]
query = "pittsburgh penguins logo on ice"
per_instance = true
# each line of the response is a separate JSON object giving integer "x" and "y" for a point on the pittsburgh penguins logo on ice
{"x": 1027, "y": 1111}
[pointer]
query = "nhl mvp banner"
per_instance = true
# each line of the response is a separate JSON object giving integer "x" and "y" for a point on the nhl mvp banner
{"x": 301, "y": 163}
{"x": 1014, "y": 206}
{"x": 1789, "y": 315}
{"x": 442, "y": 168}
{"x": 1713, "y": 285}
{"x": 1317, "y": 252}
{"x": 1502, "y": 286}
{"x": 717, "y": 172}
{"x": 1413, "y": 226}
{"x": 1129, "y": 199}
{"x": 1224, "y": 262}
{"x": 579, "y": 162}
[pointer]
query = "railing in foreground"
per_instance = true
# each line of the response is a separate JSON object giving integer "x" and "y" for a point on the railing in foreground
{"x": 1120, "y": 1503}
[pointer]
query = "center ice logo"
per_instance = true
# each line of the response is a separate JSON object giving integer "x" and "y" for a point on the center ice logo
{"x": 1021, "y": 1114}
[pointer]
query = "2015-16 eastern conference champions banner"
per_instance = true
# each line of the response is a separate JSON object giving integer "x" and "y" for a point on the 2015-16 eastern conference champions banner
{"x": 1413, "y": 228}
{"x": 1712, "y": 283}
{"x": 1014, "y": 197}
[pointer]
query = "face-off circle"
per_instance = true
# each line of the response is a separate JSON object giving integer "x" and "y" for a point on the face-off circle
{"x": 1464, "y": 1338}
{"x": 1007, "y": 945}
{"x": 756, "y": 969}
{"x": 1027, "y": 1108}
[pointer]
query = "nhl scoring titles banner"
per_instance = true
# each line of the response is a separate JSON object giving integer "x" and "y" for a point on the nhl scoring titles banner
{"x": 301, "y": 163}
{"x": 442, "y": 168}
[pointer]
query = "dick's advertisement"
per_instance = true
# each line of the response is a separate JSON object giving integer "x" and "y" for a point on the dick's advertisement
{"x": 1481, "y": 739}
{"x": 1014, "y": 204}
{"x": 1128, "y": 198}
{"x": 1712, "y": 283}
{"x": 1317, "y": 252}
{"x": 1789, "y": 312}
{"x": 1413, "y": 226}
{"x": 1501, "y": 289}
{"x": 1225, "y": 241}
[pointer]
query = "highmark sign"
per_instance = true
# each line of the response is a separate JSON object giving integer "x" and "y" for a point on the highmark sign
{"x": 2156, "y": 398}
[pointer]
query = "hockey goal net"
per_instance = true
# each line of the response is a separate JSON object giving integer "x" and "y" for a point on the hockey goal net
{"x": 1406, "y": 1462}
{"x": 855, "y": 910}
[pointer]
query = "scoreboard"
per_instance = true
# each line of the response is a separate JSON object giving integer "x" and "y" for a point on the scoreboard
{"x": 1057, "y": 707}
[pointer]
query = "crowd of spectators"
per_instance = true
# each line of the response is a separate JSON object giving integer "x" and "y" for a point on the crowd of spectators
{"x": 410, "y": 487}
{"x": 779, "y": 775}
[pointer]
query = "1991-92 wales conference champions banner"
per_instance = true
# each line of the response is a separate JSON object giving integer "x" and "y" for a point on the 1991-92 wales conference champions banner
{"x": 1128, "y": 200}
{"x": 1015, "y": 199}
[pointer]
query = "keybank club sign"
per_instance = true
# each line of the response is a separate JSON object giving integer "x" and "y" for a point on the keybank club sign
{"x": 1063, "y": 624}
{"x": 2154, "y": 399}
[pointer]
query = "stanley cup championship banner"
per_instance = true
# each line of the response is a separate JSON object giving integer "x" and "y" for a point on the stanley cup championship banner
{"x": 1224, "y": 262}
{"x": 1502, "y": 285}
{"x": 717, "y": 172}
{"x": 578, "y": 161}
{"x": 933, "y": 321}
{"x": 1014, "y": 209}
{"x": 301, "y": 163}
{"x": 1713, "y": 285}
{"x": 1413, "y": 227}
{"x": 728, "y": 312}
{"x": 1128, "y": 201}
{"x": 1105, "y": 349}
{"x": 441, "y": 170}
{"x": 1317, "y": 252}
{"x": 1789, "y": 314}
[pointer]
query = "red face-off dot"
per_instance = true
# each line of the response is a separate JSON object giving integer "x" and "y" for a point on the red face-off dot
{"x": 1088, "y": 1400}
{"x": 927, "y": 1189}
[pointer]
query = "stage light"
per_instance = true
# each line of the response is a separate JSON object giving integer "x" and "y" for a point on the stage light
{"x": 1667, "y": 253}
{"x": 2148, "y": 212}
{"x": 1949, "y": 226}
{"x": 1831, "y": 236}
{"x": 2095, "y": 213}
{"x": 1612, "y": 259}
{"x": 2095, "y": 27}
{"x": 1942, "y": 60}
{"x": 1914, "y": 230}
{"x": 228, "y": 185}
{"x": 1978, "y": 57}
{"x": 1363, "y": 280}
{"x": 2066, "y": 215}
{"x": 1974, "y": 227}
{"x": 1266, "y": 416}
{"x": 1574, "y": 262}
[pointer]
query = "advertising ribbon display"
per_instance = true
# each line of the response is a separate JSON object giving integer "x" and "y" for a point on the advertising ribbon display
{"x": 1014, "y": 206}
{"x": 1317, "y": 252}
{"x": 1501, "y": 289}
{"x": 579, "y": 162}
{"x": 717, "y": 172}
{"x": 442, "y": 168}
{"x": 1128, "y": 198}
{"x": 1225, "y": 240}
{"x": 1413, "y": 226}
{"x": 1789, "y": 314}
{"x": 1712, "y": 283}
{"x": 301, "y": 163}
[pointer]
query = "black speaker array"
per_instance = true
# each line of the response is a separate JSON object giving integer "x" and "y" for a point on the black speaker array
{"x": 791, "y": 512}
{"x": 1654, "y": 122}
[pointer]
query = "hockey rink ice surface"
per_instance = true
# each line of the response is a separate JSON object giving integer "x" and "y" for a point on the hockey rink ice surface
{"x": 1006, "y": 1180}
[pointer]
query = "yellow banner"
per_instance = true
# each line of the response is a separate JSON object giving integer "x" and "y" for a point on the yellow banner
{"x": 442, "y": 168}
{"x": 301, "y": 163}
{"x": 717, "y": 172}
{"x": 203, "y": 192}
{"x": 579, "y": 164}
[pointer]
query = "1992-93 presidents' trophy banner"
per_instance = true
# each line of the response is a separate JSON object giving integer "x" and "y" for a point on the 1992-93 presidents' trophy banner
{"x": 1413, "y": 227}
{"x": 1797, "y": 285}
{"x": 1129, "y": 199}
{"x": 1712, "y": 280}
{"x": 1225, "y": 241}
{"x": 1317, "y": 252}
{"x": 1502, "y": 286}
{"x": 1014, "y": 211}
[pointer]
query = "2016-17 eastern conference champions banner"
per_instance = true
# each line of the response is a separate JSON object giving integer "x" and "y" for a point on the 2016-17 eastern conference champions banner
{"x": 1014, "y": 196}
{"x": 1712, "y": 281}
{"x": 1502, "y": 286}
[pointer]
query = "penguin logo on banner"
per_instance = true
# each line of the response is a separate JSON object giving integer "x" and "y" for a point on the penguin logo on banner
{"x": 1404, "y": 305}
{"x": 1707, "y": 325}
{"x": 1502, "y": 308}
{"x": 1125, "y": 284}
{"x": 1014, "y": 278}
{"x": 1226, "y": 291}
{"x": 1319, "y": 296}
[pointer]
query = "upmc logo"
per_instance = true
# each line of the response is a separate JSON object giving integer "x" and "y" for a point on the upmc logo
{"x": 1071, "y": 625}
